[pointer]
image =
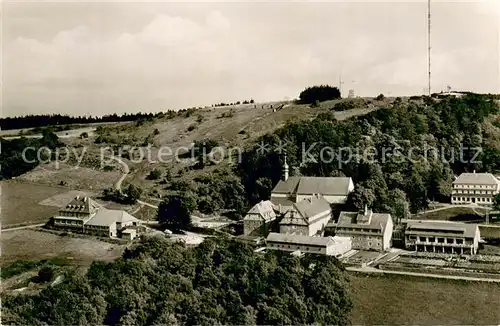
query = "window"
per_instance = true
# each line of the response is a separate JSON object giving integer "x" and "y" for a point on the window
{"x": 449, "y": 240}
{"x": 440, "y": 240}
{"x": 460, "y": 241}
{"x": 423, "y": 239}
{"x": 432, "y": 239}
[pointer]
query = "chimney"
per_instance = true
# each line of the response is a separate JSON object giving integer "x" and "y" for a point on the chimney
{"x": 84, "y": 199}
{"x": 366, "y": 210}
{"x": 78, "y": 197}
{"x": 474, "y": 171}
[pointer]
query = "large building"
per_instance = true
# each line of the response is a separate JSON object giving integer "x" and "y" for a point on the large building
{"x": 479, "y": 188}
{"x": 292, "y": 190}
{"x": 307, "y": 217}
{"x": 333, "y": 246}
{"x": 258, "y": 217}
{"x": 84, "y": 215}
{"x": 441, "y": 236}
{"x": 368, "y": 230}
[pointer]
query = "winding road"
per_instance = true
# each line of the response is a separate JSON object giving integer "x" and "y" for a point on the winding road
{"x": 125, "y": 172}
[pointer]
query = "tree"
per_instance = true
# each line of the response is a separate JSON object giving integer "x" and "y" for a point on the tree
{"x": 84, "y": 135}
{"x": 380, "y": 97}
{"x": 496, "y": 202}
{"x": 45, "y": 274}
{"x": 175, "y": 211}
{"x": 133, "y": 193}
{"x": 319, "y": 93}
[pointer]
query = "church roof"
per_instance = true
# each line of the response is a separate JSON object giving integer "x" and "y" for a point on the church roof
{"x": 333, "y": 186}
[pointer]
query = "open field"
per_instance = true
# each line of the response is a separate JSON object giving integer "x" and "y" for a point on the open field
{"x": 398, "y": 300}
{"x": 459, "y": 214}
{"x": 37, "y": 245}
{"x": 20, "y": 202}
{"x": 81, "y": 178}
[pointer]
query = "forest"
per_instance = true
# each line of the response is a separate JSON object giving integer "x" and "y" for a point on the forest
{"x": 219, "y": 282}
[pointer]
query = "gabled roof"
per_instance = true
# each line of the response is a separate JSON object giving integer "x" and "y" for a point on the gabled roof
{"x": 441, "y": 227}
{"x": 299, "y": 239}
{"x": 263, "y": 210}
{"x": 324, "y": 185}
{"x": 378, "y": 221}
{"x": 477, "y": 178}
{"x": 106, "y": 217}
{"x": 310, "y": 207}
{"x": 287, "y": 187}
{"x": 80, "y": 205}
{"x": 338, "y": 186}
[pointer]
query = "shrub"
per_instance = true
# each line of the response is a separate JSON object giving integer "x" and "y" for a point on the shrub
{"x": 191, "y": 127}
{"x": 380, "y": 97}
{"x": 156, "y": 132}
{"x": 154, "y": 175}
{"x": 84, "y": 135}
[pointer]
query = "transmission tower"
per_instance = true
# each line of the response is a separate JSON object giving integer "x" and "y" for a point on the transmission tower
{"x": 429, "y": 42}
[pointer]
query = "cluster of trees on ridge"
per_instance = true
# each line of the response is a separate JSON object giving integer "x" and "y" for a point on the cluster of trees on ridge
{"x": 217, "y": 283}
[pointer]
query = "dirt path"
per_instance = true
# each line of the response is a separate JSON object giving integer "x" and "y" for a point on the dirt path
{"x": 126, "y": 171}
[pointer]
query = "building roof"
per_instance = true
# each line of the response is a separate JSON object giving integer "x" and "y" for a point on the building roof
{"x": 310, "y": 207}
{"x": 378, "y": 221}
{"x": 80, "y": 205}
{"x": 287, "y": 187}
{"x": 477, "y": 178}
{"x": 441, "y": 227}
{"x": 314, "y": 185}
{"x": 263, "y": 210}
{"x": 106, "y": 217}
{"x": 324, "y": 185}
{"x": 300, "y": 239}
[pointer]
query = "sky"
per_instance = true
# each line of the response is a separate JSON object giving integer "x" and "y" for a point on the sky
{"x": 98, "y": 58}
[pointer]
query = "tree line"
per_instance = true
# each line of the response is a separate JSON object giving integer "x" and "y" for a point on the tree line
{"x": 44, "y": 120}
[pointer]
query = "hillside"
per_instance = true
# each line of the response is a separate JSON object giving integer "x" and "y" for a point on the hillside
{"x": 234, "y": 127}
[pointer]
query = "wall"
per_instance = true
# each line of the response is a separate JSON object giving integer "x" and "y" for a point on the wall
{"x": 294, "y": 247}
{"x": 389, "y": 228}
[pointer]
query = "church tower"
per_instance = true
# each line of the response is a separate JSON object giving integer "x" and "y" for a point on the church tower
{"x": 285, "y": 170}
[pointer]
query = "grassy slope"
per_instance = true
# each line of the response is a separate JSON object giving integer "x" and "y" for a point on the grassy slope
{"x": 397, "y": 300}
{"x": 247, "y": 123}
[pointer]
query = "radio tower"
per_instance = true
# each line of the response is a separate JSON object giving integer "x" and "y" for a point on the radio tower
{"x": 429, "y": 42}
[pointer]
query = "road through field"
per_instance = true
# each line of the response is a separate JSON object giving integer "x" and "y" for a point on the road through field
{"x": 23, "y": 227}
{"x": 450, "y": 277}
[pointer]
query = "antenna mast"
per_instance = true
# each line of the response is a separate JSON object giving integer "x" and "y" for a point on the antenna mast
{"x": 429, "y": 41}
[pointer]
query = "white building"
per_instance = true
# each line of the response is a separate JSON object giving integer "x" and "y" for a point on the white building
{"x": 441, "y": 236}
{"x": 291, "y": 190}
{"x": 258, "y": 217}
{"x": 84, "y": 215}
{"x": 307, "y": 217}
{"x": 479, "y": 188}
{"x": 333, "y": 246}
{"x": 368, "y": 230}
